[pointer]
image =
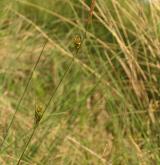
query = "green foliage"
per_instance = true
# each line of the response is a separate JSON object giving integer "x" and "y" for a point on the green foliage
{"x": 106, "y": 109}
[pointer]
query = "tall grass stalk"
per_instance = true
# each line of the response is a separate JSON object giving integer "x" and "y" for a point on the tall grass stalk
{"x": 23, "y": 94}
{"x": 48, "y": 103}
{"x": 63, "y": 77}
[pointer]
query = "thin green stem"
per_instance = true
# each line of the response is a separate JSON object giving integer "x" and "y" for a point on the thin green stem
{"x": 24, "y": 92}
{"x": 47, "y": 105}
{"x": 26, "y": 145}
{"x": 56, "y": 89}
{"x": 77, "y": 50}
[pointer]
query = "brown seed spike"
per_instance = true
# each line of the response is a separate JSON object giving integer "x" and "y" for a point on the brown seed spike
{"x": 77, "y": 41}
{"x": 38, "y": 113}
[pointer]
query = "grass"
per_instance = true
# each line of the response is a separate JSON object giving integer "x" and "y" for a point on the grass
{"x": 106, "y": 107}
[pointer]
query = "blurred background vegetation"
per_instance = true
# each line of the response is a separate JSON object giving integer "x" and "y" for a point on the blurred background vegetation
{"x": 106, "y": 110}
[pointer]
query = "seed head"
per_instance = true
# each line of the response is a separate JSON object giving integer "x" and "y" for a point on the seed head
{"x": 77, "y": 41}
{"x": 38, "y": 113}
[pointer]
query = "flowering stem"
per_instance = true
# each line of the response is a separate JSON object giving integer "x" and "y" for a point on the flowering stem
{"x": 27, "y": 144}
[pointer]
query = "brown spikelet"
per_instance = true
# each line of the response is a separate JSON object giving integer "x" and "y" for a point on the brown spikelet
{"x": 38, "y": 113}
{"x": 77, "y": 41}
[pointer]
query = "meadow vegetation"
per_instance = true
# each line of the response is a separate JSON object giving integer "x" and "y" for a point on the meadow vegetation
{"x": 101, "y": 97}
